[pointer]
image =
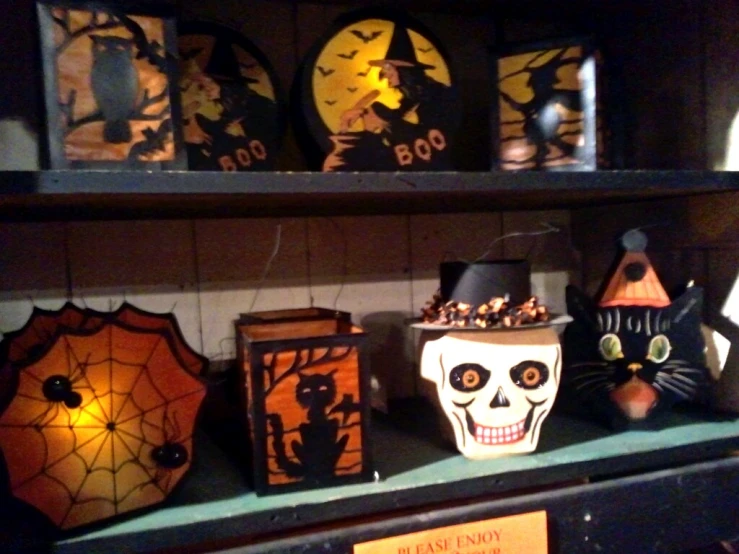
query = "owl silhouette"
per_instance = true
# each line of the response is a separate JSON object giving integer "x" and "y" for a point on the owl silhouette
{"x": 115, "y": 85}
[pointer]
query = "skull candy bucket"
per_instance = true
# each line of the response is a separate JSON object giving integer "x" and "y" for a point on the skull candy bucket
{"x": 495, "y": 386}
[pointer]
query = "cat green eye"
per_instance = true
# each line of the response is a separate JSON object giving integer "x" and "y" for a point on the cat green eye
{"x": 659, "y": 349}
{"x": 610, "y": 347}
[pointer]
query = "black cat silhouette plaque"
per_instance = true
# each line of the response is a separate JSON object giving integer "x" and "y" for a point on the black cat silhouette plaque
{"x": 306, "y": 394}
{"x": 108, "y": 75}
{"x": 547, "y": 114}
{"x": 635, "y": 352}
{"x": 377, "y": 93}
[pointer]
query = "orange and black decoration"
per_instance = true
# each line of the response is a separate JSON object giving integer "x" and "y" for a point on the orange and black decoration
{"x": 547, "y": 115}
{"x": 97, "y": 411}
{"x": 633, "y": 352}
{"x": 108, "y": 78}
{"x": 233, "y": 116}
{"x": 307, "y": 398}
{"x": 377, "y": 93}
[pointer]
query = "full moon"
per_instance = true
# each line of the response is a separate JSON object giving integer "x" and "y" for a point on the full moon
{"x": 342, "y": 74}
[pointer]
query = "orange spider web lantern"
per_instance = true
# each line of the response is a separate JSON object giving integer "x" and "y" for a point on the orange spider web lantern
{"x": 99, "y": 411}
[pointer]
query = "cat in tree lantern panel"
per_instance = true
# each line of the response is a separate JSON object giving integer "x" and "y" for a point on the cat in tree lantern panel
{"x": 547, "y": 108}
{"x": 634, "y": 353}
{"x": 232, "y": 113}
{"x": 108, "y": 92}
{"x": 313, "y": 416}
{"x": 378, "y": 94}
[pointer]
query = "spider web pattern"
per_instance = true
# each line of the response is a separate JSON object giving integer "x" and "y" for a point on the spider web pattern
{"x": 83, "y": 464}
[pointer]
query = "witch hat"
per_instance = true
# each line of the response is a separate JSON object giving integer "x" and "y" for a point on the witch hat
{"x": 223, "y": 64}
{"x": 400, "y": 53}
{"x": 634, "y": 282}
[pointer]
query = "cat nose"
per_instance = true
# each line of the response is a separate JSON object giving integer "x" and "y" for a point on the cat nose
{"x": 634, "y": 367}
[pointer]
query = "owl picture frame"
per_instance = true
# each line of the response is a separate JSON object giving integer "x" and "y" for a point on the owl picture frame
{"x": 110, "y": 86}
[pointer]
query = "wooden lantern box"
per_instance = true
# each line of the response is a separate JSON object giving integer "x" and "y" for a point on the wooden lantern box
{"x": 549, "y": 114}
{"x": 306, "y": 393}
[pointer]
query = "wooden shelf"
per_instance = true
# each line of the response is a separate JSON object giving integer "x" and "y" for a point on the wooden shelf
{"x": 65, "y": 195}
{"x": 416, "y": 471}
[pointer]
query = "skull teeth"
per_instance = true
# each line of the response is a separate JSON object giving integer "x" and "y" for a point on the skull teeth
{"x": 500, "y": 435}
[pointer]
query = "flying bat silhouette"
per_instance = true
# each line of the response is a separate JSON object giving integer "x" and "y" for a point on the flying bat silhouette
{"x": 426, "y": 50}
{"x": 365, "y": 38}
{"x": 351, "y": 89}
{"x": 330, "y": 102}
{"x": 325, "y": 72}
{"x": 365, "y": 73}
{"x": 349, "y": 56}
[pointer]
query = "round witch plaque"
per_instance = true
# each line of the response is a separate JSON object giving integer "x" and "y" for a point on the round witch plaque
{"x": 233, "y": 116}
{"x": 377, "y": 93}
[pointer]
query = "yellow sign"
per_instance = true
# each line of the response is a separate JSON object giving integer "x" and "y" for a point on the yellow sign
{"x": 519, "y": 534}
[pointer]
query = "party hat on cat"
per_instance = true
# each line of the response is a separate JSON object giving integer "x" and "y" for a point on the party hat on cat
{"x": 634, "y": 282}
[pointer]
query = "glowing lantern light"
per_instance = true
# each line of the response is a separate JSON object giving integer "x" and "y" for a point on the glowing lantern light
{"x": 99, "y": 411}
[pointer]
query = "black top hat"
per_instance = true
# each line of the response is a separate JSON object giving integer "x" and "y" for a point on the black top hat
{"x": 223, "y": 63}
{"x": 400, "y": 53}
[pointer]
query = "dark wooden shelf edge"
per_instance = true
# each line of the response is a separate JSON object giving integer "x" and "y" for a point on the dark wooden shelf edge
{"x": 582, "y": 518}
{"x": 71, "y": 195}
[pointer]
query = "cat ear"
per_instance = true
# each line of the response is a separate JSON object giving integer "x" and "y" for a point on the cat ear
{"x": 334, "y": 370}
{"x": 688, "y": 305}
{"x": 579, "y": 305}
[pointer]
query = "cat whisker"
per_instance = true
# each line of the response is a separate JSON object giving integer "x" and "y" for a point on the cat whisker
{"x": 593, "y": 374}
{"x": 686, "y": 370}
{"x": 676, "y": 361}
{"x": 683, "y": 379}
{"x": 678, "y": 388}
{"x": 667, "y": 376}
{"x": 593, "y": 387}
{"x": 592, "y": 382}
{"x": 681, "y": 394}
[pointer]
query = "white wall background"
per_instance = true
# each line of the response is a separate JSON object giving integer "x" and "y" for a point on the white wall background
{"x": 380, "y": 268}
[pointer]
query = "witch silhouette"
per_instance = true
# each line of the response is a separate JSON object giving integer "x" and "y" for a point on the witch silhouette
{"x": 426, "y": 106}
{"x": 542, "y": 120}
{"x": 228, "y": 126}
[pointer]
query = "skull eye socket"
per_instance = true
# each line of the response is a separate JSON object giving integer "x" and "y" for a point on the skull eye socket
{"x": 659, "y": 349}
{"x": 469, "y": 377}
{"x": 610, "y": 347}
{"x": 529, "y": 374}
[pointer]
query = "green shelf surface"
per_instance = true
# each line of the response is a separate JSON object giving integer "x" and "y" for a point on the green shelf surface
{"x": 415, "y": 468}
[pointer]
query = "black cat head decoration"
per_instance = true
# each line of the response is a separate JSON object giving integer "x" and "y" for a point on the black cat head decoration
{"x": 634, "y": 353}
{"x": 377, "y": 93}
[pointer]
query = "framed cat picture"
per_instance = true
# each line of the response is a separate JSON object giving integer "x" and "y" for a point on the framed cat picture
{"x": 110, "y": 86}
